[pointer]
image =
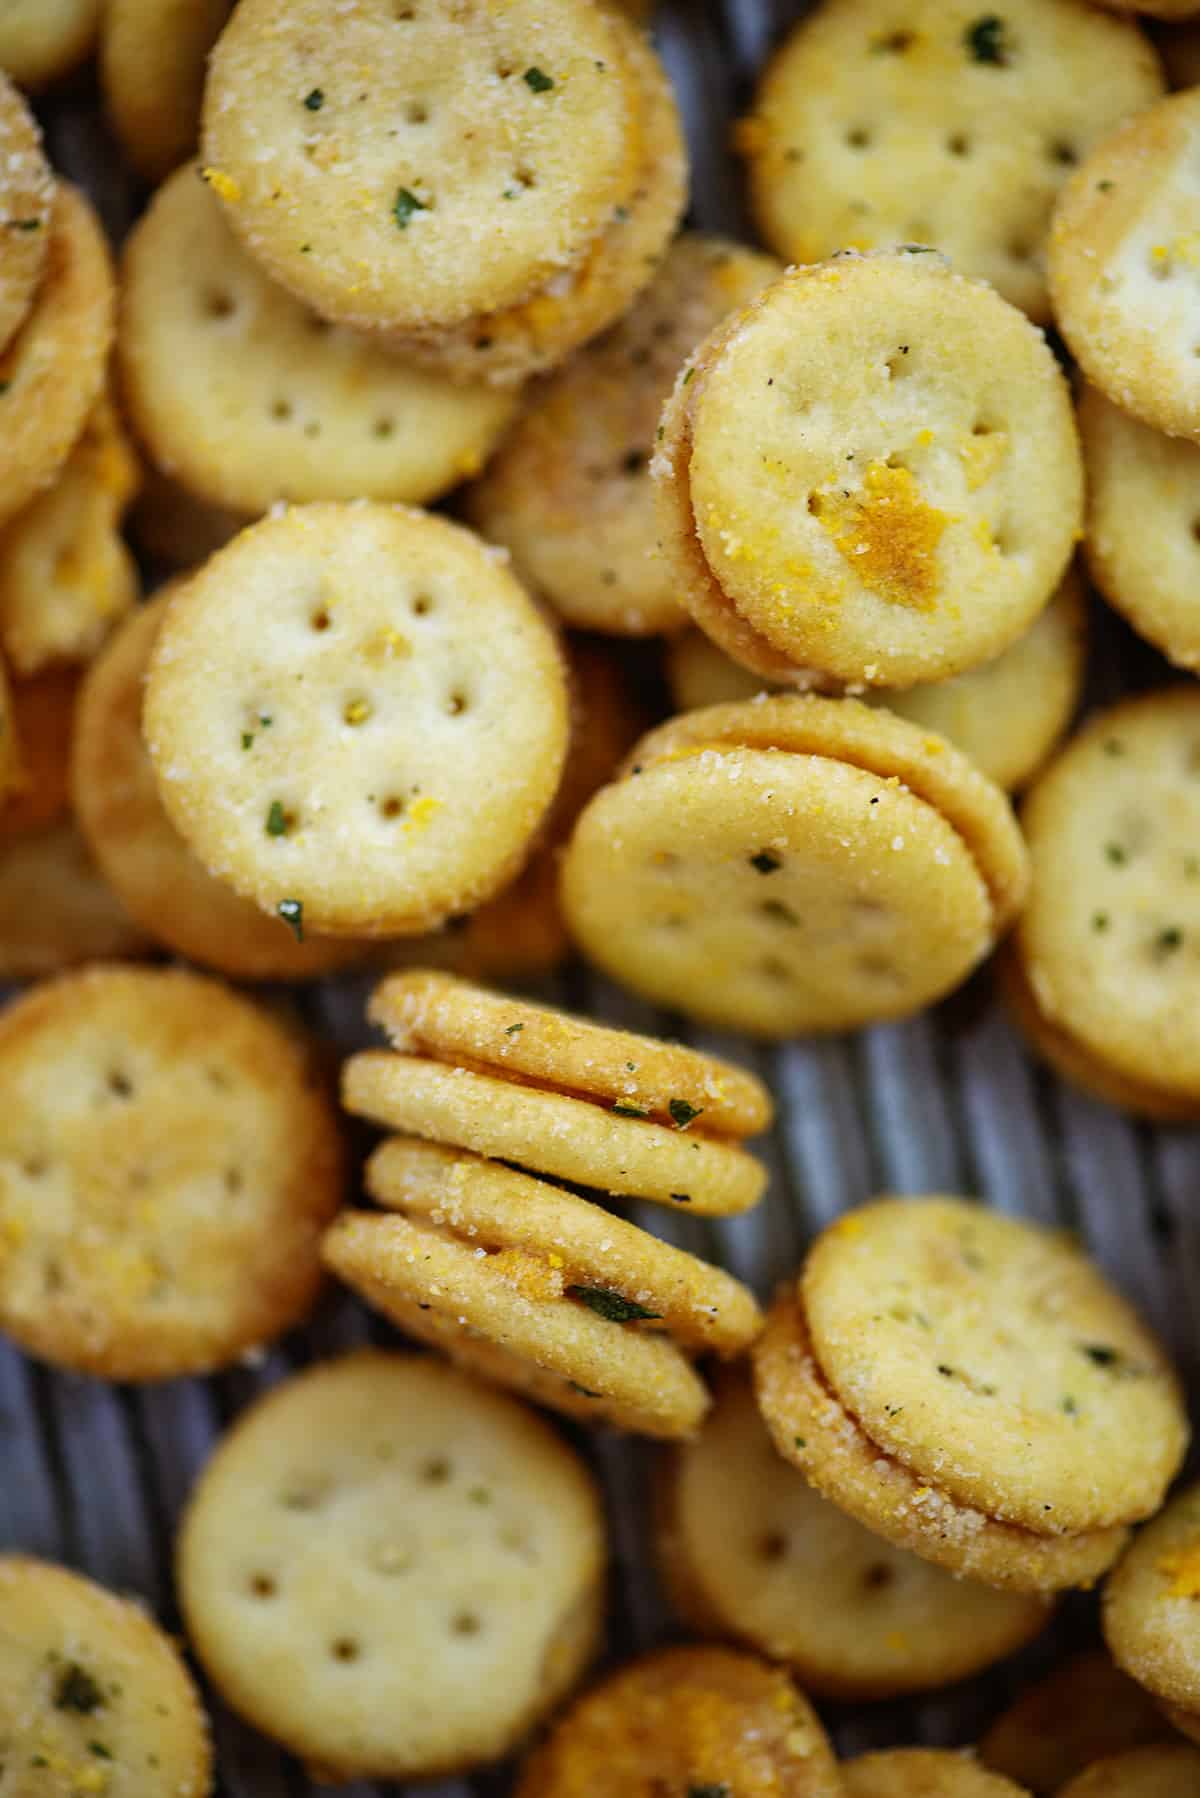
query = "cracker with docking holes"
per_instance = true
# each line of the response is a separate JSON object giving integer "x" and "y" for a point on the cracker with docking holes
{"x": 579, "y": 1101}
{"x": 749, "y": 1549}
{"x": 506, "y": 346}
{"x": 1166, "y": 1771}
{"x": 26, "y": 200}
{"x": 1085, "y": 1710}
{"x": 688, "y": 1720}
{"x": 793, "y": 864}
{"x": 153, "y": 60}
{"x": 992, "y": 1358}
{"x": 570, "y": 492}
{"x": 141, "y": 854}
{"x": 66, "y": 575}
{"x": 559, "y": 1284}
{"x": 52, "y": 372}
{"x": 1143, "y": 513}
{"x": 924, "y": 1773}
{"x": 1109, "y": 946}
{"x": 1124, "y": 266}
{"x": 812, "y": 1428}
{"x": 168, "y": 1161}
{"x": 247, "y": 397}
{"x": 953, "y": 125}
{"x": 1006, "y": 715}
{"x": 1152, "y": 1607}
{"x": 357, "y": 718}
{"x": 55, "y": 909}
{"x": 94, "y": 1697}
{"x": 43, "y": 39}
{"x": 391, "y": 1569}
{"x": 872, "y": 472}
{"x": 364, "y": 156}
{"x": 43, "y": 718}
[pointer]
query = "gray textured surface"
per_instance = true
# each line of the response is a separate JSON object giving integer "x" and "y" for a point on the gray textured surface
{"x": 96, "y": 1476}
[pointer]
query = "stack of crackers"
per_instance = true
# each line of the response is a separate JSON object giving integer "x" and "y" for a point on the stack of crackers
{"x": 754, "y": 604}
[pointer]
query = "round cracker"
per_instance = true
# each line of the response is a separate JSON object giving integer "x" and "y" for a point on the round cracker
{"x": 882, "y": 124}
{"x": 1123, "y": 260}
{"x": 1166, "y": 1771}
{"x": 153, "y": 60}
{"x": 52, "y": 372}
{"x": 1143, "y": 525}
{"x": 43, "y": 716}
{"x": 94, "y": 1697}
{"x": 1083, "y": 1711}
{"x": 553, "y": 1133}
{"x": 576, "y": 467}
{"x": 433, "y": 1014}
{"x": 992, "y": 1357}
{"x": 1152, "y": 1605}
{"x": 923, "y": 1773}
{"x": 55, "y": 910}
{"x": 751, "y": 1550}
{"x": 564, "y": 1244}
{"x": 167, "y": 1165}
{"x": 247, "y": 397}
{"x": 392, "y": 1569}
{"x": 810, "y": 1427}
{"x": 140, "y": 853}
{"x": 393, "y": 134}
{"x": 397, "y": 660}
{"x": 686, "y": 1719}
{"x": 1006, "y": 715}
{"x": 931, "y": 429}
{"x": 43, "y": 39}
{"x": 26, "y": 198}
{"x": 1110, "y": 941}
{"x": 66, "y": 575}
{"x": 641, "y": 1381}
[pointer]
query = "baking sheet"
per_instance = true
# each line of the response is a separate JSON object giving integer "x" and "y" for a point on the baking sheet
{"x": 95, "y": 1475}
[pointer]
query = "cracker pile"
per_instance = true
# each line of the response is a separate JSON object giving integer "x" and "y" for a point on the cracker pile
{"x": 423, "y": 561}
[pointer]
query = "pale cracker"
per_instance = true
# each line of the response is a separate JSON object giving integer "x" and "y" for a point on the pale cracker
{"x": 810, "y": 1427}
{"x": 246, "y": 397}
{"x": 141, "y": 854}
{"x": 417, "y": 715}
{"x": 931, "y": 428}
{"x": 43, "y": 716}
{"x": 1167, "y": 1771}
{"x": 552, "y": 1133}
{"x": 1152, "y": 1605}
{"x": 692, "y": 1719}
{"x": 1143, "y": 525}
{"x": 364, "y": 156}
{"x": 43, "y": 39}
{"x": 1124, "y": 266}
{"x": 94, "y": 1697}
{"x": 392, "y": 1569}
{"x": 168, "y": 1162}
{"x": 947, "y": 124}
{"x": 1083, "y": 1711}
{"x": 26, "y": 198}
{"x": 570, "y": 492}
{"x": 66, "y": 575}
{"x": 923, "y": 1773}
{"x": 749, "y": 1549}
{"x": 55, "y": 910}
{"x": 1110, "y": 941}
{"x": 153, "y": 60}
{"x": 992, "y": 1357}
{"x": 52, "y": 372}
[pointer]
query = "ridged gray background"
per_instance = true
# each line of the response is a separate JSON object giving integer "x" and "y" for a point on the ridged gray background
{"x": 96, "y": 1475}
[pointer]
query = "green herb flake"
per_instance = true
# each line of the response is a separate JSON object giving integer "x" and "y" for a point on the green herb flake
{"x": 100, "y": 1751}
{"x": 266, "y": 720}
{"x": 717, "y": 1791}
{"x": 537, "y": 81}
{"x": 583, "y": 1391}
{"x": 510, "y": 193}
{"x": 629, "y": 1111}
{"x": 683, "y": 1114}
{"x": 1100, "y": 921}
{"x": 479, "y": 1495}
{"x": 315, "y": 100}
{"x": 800, "y": 1441}
{"x": 514, "y": 1030}
{"x": 1070, "y": 1407}
{"x": 76, "y": 1690}
{"x": 985, "y": 41}
{"x": 1168, "y": 940}
{"x": 1105, "y": 187}
{"x": 38, "y": 1760}
{"x": 277, "y": 824}
{"x": 406, "y": 204}
{"x": 1100, "y": 1354}
{"x": 1116, "y": 854}
{"x": 765, "y": 863}
{"x": 1113, "y": 746}
{"x": 917, "y": 249}
{"x": 24, "y": 224}
{"x": 292, "y": 913}
{"x": 247, "y": 738}
{"x": 631, "y": 1067}
{"x": 610, "y": 1305}
{"x": 688, "y": 373}
{"x": 946, "y": 1371}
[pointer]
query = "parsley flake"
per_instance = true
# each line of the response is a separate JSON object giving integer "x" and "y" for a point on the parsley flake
{"x": 247, "y": 738}
{"x": 1116, "y": 854}
{"x": 765, "y": 863}
{"x": 24, "y": 224}
{"x": 1070, "y": 1407}
{"x": 292, "y": 913}
{"x": 537, "y": 82}
{"x": 717, "y": 1791}
{"x": 1167, "y": 941}
{"x": 581, "y": 1390}
{"x": 100, "y": 1751}
{"x": 1100, "y": 1353}
{"x": 1100, "y": 920}
{"x": 985, "y": 40}
{"x": 610, "y": 1305}
{"x": 315, "y": 100}
{"x": 277, "y": 824}
{"x": 76, "y": 1690}
{"x": 683, "y": 1114}
{"x": 514, "y": 1030}
{"x": 629, "y": 1111}
{"x": 800, "y": 1441}
{"x": 406, "y": 204}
